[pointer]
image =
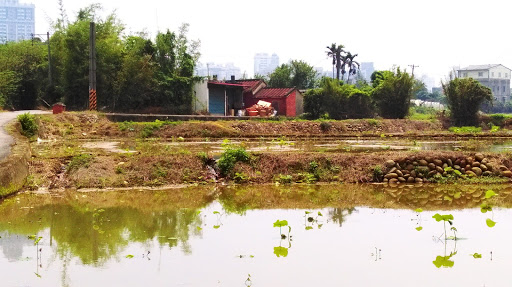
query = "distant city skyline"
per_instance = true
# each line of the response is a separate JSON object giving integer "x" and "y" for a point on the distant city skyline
{"x": 434, "y": 44}
{"x": 265, "y": 64}
{"x": 221, "y": 71}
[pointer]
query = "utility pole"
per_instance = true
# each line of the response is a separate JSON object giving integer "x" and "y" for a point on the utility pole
{"x": 92, "y": 68}
{"x": 413, "y": 66}
{"x": 49, "y": 59}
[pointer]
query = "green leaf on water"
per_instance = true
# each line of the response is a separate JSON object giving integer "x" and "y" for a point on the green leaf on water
{"x": 38, "y": 276}
{"x": 252, "y": 256}
{"x": 446, "y": 217}
{"x": 476, "y": 255}
{"x": 419, "y": 210}
{"x": 490, "y": 193}
{"x": 484, "y": 207}
{"x": 37, "y": 240}
{"x": 457, "y": 195}
{"x": 444, "y": 261}
{"x": 129, "y": 256}
{"x": 216, "y": 212}
{"x": 419, "y": 228}
{"x": 216, "y": 226}
{"x": 199, "y": 228}
{"x": 307, "y": 212}
{"x": 320, "y": 214}
{"x": 281, "y": 251}
{"x": 309, "y": 227}
{"x": 490, "y": 223}
{"x": 320, "y": 226}
{"x": 280, "y": 223}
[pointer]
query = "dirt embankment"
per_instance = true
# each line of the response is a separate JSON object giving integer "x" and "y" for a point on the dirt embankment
{"x": 94, "y": 126}
{"x": 15, "y": 168}
{"x": 66, "y": 166}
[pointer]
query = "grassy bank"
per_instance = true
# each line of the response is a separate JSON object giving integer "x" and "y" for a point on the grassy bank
{"x": 147, "y": 156}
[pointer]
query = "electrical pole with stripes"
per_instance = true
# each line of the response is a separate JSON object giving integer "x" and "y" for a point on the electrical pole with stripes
{"x": 92, "y": 68}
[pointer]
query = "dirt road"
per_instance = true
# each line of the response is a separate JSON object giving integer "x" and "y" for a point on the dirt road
{"x": 5, "y": 139}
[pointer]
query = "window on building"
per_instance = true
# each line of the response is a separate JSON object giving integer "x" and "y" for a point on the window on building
{"x": 506, "y": 75}
{"x": 464, "y": 74}
{"x": 480, "y": 74}
{"x": 499, "y": 75}
{"x": 503, "y": 89}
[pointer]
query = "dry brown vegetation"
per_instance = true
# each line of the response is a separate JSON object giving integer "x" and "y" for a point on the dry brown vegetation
{"x": 66, "y": 164}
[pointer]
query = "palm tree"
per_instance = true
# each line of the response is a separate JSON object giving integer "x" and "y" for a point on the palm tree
{"x": 352, "y": 65}
{"x": 335, "y": 52}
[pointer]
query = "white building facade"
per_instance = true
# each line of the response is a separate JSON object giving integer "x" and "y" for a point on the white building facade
{"x": 17, "y": 21}
{"x": 495, "y": 77}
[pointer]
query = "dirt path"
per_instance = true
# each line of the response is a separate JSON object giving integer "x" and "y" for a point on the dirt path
{"x": 5, "y": 139}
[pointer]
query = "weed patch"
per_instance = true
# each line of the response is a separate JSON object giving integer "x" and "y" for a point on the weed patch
{"x": 78, "y": 161}
{"x": 28, "y": 124}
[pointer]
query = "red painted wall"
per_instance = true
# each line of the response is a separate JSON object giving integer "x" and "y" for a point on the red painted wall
{"x": 287, "y": 106}
{"x": 291, "y": 110}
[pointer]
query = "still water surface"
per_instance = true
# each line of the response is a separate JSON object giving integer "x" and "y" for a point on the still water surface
{"x": 92, "y": 244}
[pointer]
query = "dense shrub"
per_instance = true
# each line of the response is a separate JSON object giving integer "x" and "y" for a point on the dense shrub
{"x": 230, "y": 157}
{"x": 28, "y": 124}
{"x": 392, "y": 93}
{"x": 465, "y": 95}
{"x": 338, "y": 100}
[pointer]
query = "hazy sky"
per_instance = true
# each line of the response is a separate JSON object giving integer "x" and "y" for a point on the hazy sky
{"x": 435, "y": 35}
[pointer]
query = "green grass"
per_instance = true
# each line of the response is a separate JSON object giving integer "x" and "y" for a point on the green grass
{"x": 465, "y": 130}
{"x": 6, "y": 191}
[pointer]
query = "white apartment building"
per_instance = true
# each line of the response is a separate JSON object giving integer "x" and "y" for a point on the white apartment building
{"x": 496, "y": 77}
{"x": 17, "y": 21}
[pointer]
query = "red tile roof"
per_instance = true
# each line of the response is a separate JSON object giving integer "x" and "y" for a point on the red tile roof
{"x": 274, "y": 93}
{"x": 251, "y": 84}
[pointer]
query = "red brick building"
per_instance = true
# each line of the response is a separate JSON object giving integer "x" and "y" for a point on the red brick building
{"x": 287, "y": 101}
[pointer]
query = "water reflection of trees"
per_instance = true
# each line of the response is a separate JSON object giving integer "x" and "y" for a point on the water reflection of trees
{"x": 97, "y": 235}
{"x": 338, "y": 215}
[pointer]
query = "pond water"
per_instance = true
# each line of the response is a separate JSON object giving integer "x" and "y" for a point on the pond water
{"x": 340, "y": 236}
{"x": 280, "y": 145}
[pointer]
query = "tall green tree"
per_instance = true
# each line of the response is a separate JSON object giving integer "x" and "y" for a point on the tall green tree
{"x": 392, "y": 93}
{"x": 465, "y": 96}
{"x": 297, "y": 74}
{"x": 353, "y": 66}
{"x": 23, "y": 74}
{"x": 336, "y": 53}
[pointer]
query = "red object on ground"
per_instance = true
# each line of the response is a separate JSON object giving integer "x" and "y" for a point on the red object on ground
{"x": 58, "y": 108}
{"x": 253, "y": 113}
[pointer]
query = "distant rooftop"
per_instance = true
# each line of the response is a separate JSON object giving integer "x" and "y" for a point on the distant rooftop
{"x": 479, "y": 67}
{"x": 274, "y": 93}
{"x": 14, "y": 3}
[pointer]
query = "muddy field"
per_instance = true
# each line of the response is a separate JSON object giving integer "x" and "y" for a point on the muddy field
{"x": 86, "y": 150}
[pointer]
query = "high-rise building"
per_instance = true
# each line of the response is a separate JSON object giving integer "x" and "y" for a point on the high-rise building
{"x": 265, "y": 64}
{"x": 367, "y": 70}
{"x": 17, "y": 21}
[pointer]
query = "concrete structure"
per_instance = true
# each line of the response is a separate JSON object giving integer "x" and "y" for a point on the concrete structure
{"x": 496, "y": 77}
{"x": 218, "y": 98}
{"x": 17, "y": 21}
{"x": 265, "y": 64}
